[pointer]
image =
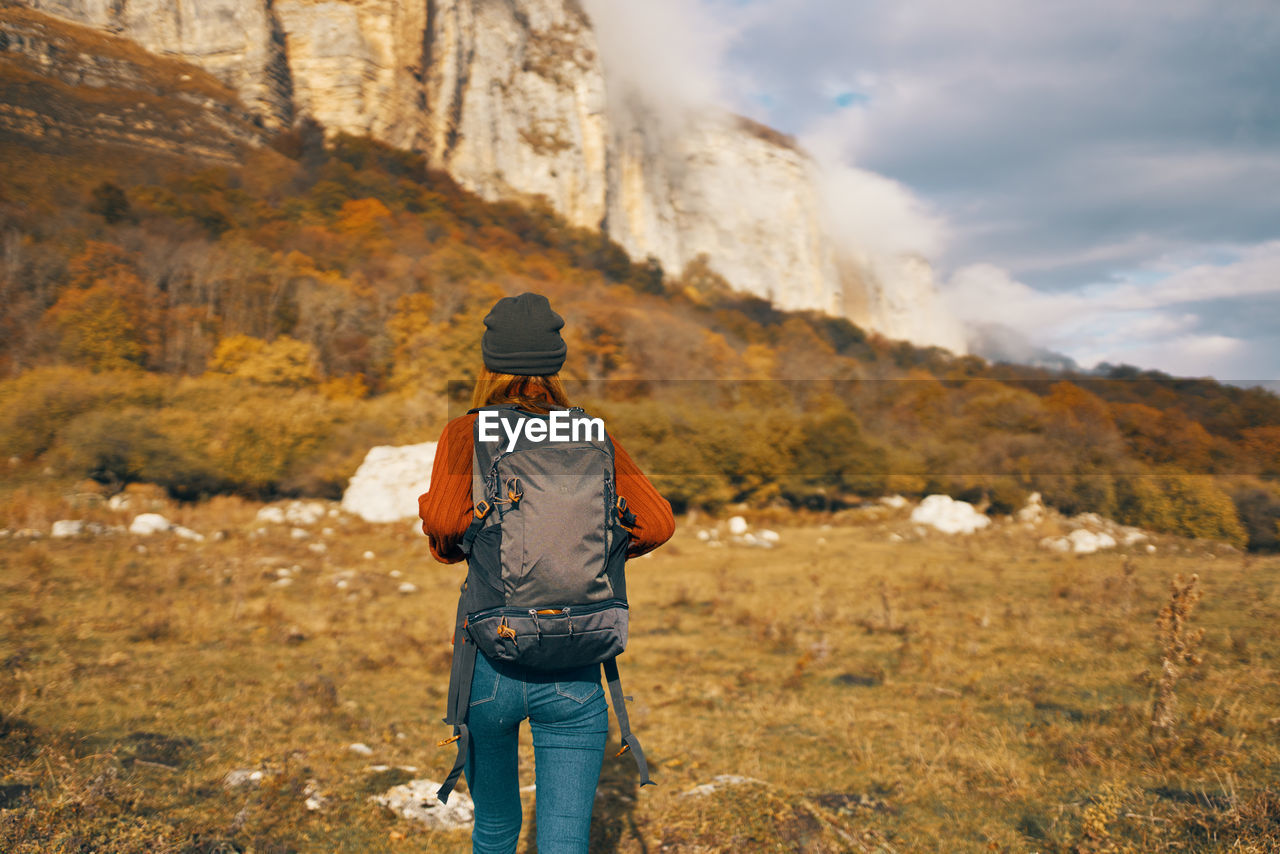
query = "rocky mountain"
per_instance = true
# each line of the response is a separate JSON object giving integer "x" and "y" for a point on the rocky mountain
{"x": 75, "y": 88}
{"x": 511, "y": 98}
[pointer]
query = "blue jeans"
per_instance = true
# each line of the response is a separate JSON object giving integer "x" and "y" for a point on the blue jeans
{"x": 569, "y": 720}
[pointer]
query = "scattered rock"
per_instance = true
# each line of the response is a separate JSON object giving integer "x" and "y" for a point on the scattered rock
{"x": 299, "y": 533}
{"x": 64, "y": 528}
{"x": 317, "y": 548}
{"x": 416, "y": 800}
{"x": 187, "y": 534}
{"x": 1085, "y": 542}
{"x": 316, "y": 799}
{"x": 297, "y": 513}
{"x": 369, "y": 555}
{"x": 1032, "y": 513}
{"x": 1056, "y": 544}
{"x": 948, "y": 515}
{"x": 1133, "y": 536}
{"x": 361, "y": 748}
{"x": 720, "y": 782}
{"x": 386, "y": 486}
{"x": 149, "y": 523}
{"x": 304, "y": 512}
{"x": 407, "y": 587}
{"x": 272, "y": 514}
{"x": 737, "y": 526}
{"x": 770, "y": 536}
{"x": 251, "y": 777}
{"x": 1081, "y": 541}
{"x": 895, "y": 502}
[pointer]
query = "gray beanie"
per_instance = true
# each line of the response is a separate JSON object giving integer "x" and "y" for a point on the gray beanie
{"x": 523, "y": 337}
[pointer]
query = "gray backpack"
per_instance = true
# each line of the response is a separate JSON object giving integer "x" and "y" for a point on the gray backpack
{"x": 546, "y": 550}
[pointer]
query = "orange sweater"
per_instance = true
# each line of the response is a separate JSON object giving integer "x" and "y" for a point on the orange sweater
{"x": 446, "y": 507}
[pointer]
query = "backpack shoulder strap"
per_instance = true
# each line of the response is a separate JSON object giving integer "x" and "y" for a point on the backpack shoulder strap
{"x": 629, "y": 740}
{"x": 464, "y": 663}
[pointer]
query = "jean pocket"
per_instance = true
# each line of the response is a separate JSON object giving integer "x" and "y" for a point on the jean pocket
{"x": 578, "y": 691}
{"x": 484, "y": 682}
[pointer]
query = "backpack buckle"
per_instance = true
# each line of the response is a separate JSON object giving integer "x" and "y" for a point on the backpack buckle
{"x": 482, "y": 509}
{"x": 625, "y": 516}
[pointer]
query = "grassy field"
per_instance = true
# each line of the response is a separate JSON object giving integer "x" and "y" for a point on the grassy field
{"x": 935, "y": 694}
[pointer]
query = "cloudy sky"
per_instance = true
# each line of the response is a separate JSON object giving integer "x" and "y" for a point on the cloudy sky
{"x": 1101, "y": 177}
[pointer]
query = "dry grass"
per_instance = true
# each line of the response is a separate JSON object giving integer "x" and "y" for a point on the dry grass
{"x": 948, "y": 694}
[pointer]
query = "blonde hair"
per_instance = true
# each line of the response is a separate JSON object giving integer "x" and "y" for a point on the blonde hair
{"x": 530, "y": 393}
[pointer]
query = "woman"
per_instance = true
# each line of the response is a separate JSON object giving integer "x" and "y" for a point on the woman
{"x": 523, "y": 352}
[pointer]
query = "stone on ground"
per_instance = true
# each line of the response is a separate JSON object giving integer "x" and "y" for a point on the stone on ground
{"x": 948, "y": 515}
{"x": 416, "y": 800}
{"x": 386, "y": 486}
{"x": 149, "y": 523}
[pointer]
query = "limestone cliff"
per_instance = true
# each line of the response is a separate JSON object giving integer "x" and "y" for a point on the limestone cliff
{"x": 730, "y": 190}
{"x": 510, "y": 97}
{"x": 239, "y": 41}
{"x": 78, "y": 89}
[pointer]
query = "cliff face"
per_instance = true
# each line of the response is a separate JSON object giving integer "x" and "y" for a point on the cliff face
{"x": 239, "y": 41}
{"x": 72, "y": 87}
{"x": 515, "y": 103}
{"x": 721, "y": 187}
{"x": 509, "y": 97}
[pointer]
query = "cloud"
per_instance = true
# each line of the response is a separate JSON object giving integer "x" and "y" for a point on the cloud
{"x": 670, "y": 52}
{"x": 1101, "y": 178}
{"x": 873, "y": 215}
{"x": 1171, "y": 316}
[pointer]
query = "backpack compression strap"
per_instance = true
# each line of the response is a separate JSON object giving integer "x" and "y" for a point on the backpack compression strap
{"x": 464, "y": 664}
{"x": 629, "y": 741}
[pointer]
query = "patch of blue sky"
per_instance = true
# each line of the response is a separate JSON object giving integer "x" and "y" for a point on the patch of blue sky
{"x": 847, "y": 99}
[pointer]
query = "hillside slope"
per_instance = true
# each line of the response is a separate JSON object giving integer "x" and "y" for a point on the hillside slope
{"x": 511, "y": 99}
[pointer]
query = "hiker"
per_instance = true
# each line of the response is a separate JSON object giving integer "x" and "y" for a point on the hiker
{"x": 523, "y": 352}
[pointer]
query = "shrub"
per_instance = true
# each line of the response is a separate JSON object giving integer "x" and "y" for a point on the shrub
{"x": 127, "y": 446}
{"x": 36, "y": 405}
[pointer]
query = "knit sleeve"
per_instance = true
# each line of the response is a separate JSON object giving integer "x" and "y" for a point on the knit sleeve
{"x": 654, "y": 522}
{"x": 445, "y": 508}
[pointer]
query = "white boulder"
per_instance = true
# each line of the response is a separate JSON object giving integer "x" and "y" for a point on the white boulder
{"x": 149, "y": 523}
{"x": 64, "y": 528}
{"x": 1032, "y": 513}
{"x": 272, "y": 514}
{"x": 948, "y": 515}
{"x": 386, "y": 486}
{"x": 737, "y": 526}
{"x": 1084, "y": 541}
{"x": 416, "y": 800}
